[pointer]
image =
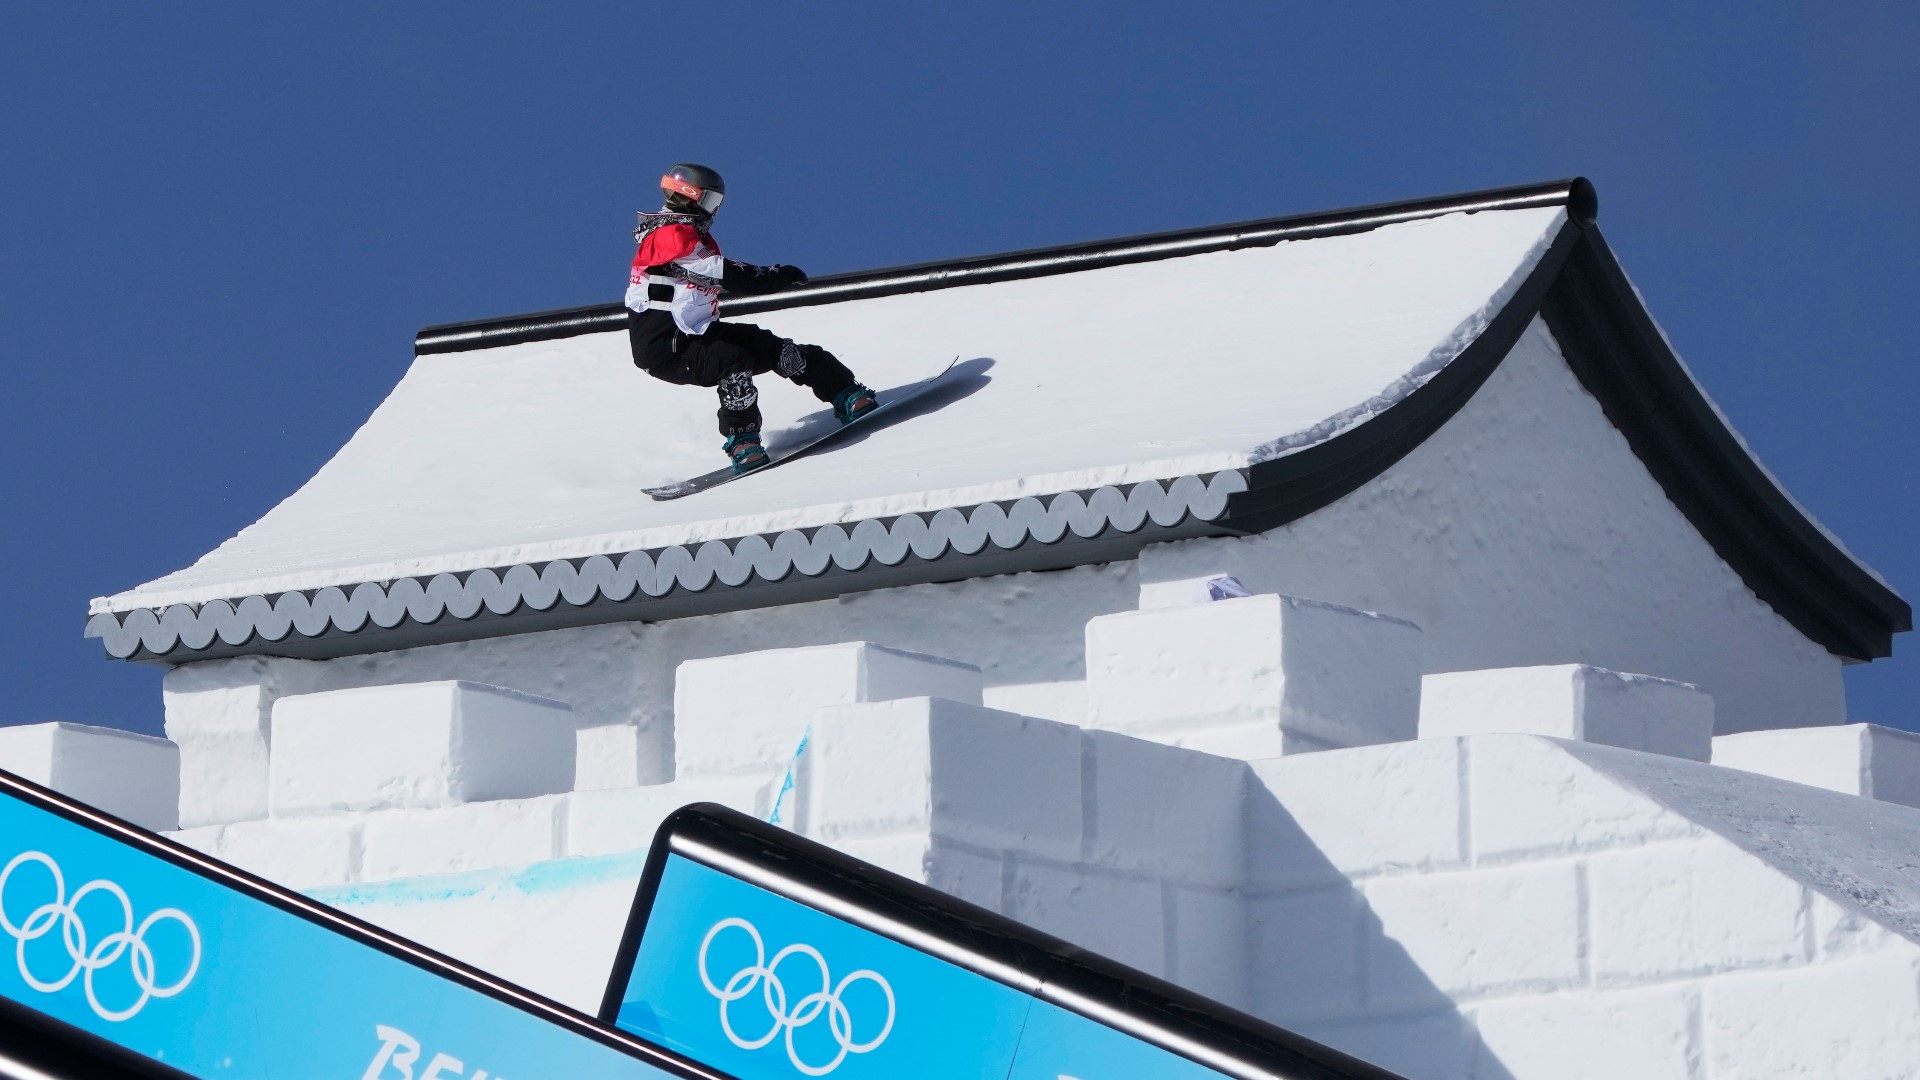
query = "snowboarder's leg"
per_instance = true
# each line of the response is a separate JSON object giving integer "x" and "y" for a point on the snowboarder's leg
{"x": 740, "y": 420}
{"x": 822, "y": 372}
{"x": 805, "y": 365}
{"x": 650, "y": 337}
{"x": 812, "y": 367}
{"x": 707, "y": 360}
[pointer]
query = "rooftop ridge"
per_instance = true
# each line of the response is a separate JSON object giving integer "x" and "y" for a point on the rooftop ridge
{"x": 1576, "y": 194}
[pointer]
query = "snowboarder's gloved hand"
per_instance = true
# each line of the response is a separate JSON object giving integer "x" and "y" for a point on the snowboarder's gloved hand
{"x": 746, "y": 279}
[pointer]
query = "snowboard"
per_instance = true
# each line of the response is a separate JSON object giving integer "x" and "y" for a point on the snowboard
{"x": 887, "y": 402}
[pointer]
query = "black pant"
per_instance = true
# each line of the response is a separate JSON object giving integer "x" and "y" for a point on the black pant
{"x": 727, "y": 357}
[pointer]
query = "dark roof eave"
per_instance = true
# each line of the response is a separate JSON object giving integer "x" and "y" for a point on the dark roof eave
{"x": 1620, "y": 356}
{"x": 1291, "y": 487}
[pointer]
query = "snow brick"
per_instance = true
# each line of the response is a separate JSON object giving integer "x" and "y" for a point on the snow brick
{"x": 1571, "y": 701}
{"x": 417, "y": 745}
{"x": 130, "y": 776}
{"x": 1858, "y": 759}
{"x": 746, "y": 713}
{"x": 1255, "y": 677}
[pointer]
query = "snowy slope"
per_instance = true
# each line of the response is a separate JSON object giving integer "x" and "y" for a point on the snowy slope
{"x": 533, "y": 452}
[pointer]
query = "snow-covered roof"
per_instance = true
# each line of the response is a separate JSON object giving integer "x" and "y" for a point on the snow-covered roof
{"x": 1108, "y": 395}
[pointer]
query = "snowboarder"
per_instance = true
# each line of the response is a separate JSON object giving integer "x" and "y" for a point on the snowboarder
{"x": 673, "y": 302}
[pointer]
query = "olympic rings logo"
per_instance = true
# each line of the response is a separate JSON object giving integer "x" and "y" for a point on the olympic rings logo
{"x": 84, "y": 961}
{"x": 761, "y": 974}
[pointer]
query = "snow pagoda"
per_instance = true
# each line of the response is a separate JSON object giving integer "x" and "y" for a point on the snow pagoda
{"x": 1360, "y": 618}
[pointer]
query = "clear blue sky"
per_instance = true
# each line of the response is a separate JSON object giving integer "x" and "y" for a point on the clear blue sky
{"x": 220, "y": 225}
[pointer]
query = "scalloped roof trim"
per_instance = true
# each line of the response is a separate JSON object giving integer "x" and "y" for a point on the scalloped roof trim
{"x": 657, "y": 573}
{"x": 687, "y": 534}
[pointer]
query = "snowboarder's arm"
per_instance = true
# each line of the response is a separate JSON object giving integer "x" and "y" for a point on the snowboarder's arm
{"x": 745, "y": 279}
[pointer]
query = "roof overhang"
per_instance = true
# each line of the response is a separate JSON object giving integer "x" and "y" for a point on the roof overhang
{"x": 795, "y": 566}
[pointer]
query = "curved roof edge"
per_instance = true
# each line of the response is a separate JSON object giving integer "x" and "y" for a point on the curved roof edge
{"x": 1622, "y": 359}
{"x": 1068, "y": 529}
{"x": 1576, "y": 194}
{"x": 1785, "y": 557}
{"x": 1291, "y": 487}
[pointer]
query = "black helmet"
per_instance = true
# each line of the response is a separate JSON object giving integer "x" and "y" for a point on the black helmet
{"x": 697, "y": 184}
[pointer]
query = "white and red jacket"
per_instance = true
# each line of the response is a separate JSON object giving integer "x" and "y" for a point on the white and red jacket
{"x": 678, "y": 269}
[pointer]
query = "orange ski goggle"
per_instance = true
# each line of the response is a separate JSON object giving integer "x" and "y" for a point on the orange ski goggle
{"x": 708, "y": 200}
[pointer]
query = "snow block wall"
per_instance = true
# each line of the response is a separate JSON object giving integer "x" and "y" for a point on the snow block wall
{"x": 1256, "y": 677}
{"x": 220, "y": 715}
{"x": 1023, "y": 631}
{"x": 420, "y": 745}
{"x": 1509, "y": 897}
{"x": 1859, "y": 759}
{"x": 734, "y": 714}
{"x": 384, "y": 782}
{"x": 1571, "y": 701}
{"x": 1498, "y": 906}
{"x": 130, "y": 776}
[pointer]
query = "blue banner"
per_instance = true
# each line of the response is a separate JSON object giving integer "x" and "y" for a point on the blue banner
{"x": 1060, "y": 1045}
{"x": 731, "y": 974}
{"x": 219, "y": 982}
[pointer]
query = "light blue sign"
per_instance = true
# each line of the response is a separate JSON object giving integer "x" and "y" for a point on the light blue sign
{"x": 217, "y": 982}
{"x": 1060, "y": 1045}
{"x": 748, "y": 981}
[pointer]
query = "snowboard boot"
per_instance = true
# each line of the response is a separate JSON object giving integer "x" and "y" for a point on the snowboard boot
{"x": 745, "y": 450}
{"x": 853, "y": 402}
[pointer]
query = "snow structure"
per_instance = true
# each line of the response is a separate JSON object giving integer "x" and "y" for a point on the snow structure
{"x": 1474, "y": 784}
